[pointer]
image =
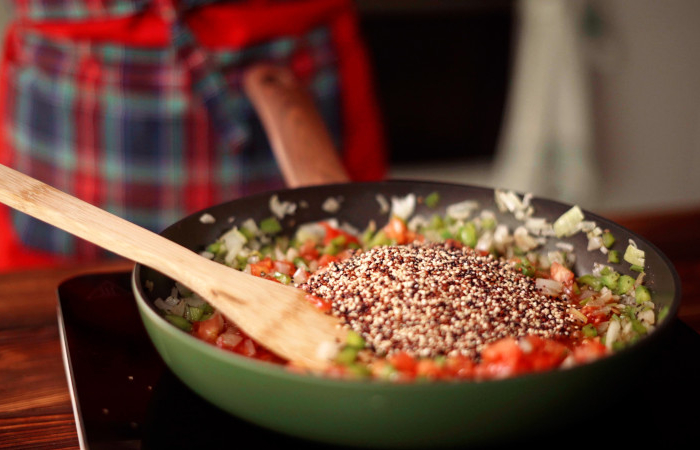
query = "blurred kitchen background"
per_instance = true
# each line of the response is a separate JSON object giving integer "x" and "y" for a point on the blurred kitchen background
{"x": 594, "y": 102}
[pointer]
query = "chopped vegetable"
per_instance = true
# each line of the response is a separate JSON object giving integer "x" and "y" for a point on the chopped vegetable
{"x": 568, "y": 223}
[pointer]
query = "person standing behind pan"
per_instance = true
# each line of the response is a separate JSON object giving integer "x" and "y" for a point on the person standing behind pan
{"x": 136, "y": 106}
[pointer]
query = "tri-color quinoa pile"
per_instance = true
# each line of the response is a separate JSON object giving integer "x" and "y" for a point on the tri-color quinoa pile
{"x": 455, "y": 295}
{"x": 438, "y": 299}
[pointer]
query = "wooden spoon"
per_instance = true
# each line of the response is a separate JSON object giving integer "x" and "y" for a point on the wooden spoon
{"x": 275, "y": 315}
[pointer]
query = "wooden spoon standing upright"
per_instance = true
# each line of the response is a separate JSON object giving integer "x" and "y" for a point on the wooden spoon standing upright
{"x": 275, "y": 315}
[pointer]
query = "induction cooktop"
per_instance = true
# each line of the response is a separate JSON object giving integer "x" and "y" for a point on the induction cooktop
{"x": 124, "y": 396}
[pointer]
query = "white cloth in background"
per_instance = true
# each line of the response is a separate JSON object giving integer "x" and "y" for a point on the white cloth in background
{"x": 546, "y": 146}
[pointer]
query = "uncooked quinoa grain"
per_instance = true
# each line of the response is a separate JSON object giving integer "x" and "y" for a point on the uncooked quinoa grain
{"x": 437, "y": 299}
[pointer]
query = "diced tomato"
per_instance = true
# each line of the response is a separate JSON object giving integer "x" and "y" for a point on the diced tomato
{"x": 589, "y": 350}
{"x": 545, "y": 354}
{"x": 500, "y": 359}
{"x": 332, "y": 233}
{"x": 594, "y": 314}
{"x": 403, "y": 362}
{"x": 460, "y": 366}
{"x": 320, "y": 303}
{"x": 262, "y": 268}
{"x": 308, "y": 250}
{"x": 429, "y": 368}
{"x": 326, "y": 259}
{"x": 229, "y": 339}
{"x": 248, "y": 348}
{"x": 285, "y": 267}
{"x": 208, "y": 330}
{"x": 397, "y": 230}
{"x": 561, "y": 274}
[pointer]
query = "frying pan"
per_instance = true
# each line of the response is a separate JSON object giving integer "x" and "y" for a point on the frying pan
{"x": 378, "y": 413}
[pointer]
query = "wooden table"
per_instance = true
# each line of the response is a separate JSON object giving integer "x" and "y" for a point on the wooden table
{"x": 35, "y": 406}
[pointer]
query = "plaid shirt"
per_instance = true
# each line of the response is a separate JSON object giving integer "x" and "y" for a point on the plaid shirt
{"x": 155, "y": 126}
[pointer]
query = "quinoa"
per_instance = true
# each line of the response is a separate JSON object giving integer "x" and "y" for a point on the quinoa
{"x": 437, "y": 299}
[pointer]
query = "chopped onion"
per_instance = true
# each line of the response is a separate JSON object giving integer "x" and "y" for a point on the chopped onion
{"x": 612, "y": 333}
{"x": 403, "y": 207}
{"x": 207, "y": 218}
{"x": 234, "y": 241}
{"x": 300, "y": 276}
{"x": 383, "y": 203}
{"x": 578, "y": 315}
{"x": 332, "y": 204}
{"x": 523, "y": 239}
{"x": 281, "y": 209}
{"x": 549, "y": 287}
{"x": 461, "y": 210}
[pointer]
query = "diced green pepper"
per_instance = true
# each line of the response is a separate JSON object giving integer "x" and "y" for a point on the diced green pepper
{"x": 488, "y": 223}
{"x": 270, "y": 225}
{"x": 193, "y": 313}
{"x": 590, "y": 280}
{"x": 179, "y": 322}
{"x": 282, "y": 278}
{"x": 379, "y": 239}
{"x": 608, "y": 239}
{"x": 637, "y": 268}
{"x": 359, "y": 370}
{"x": 610, "y": 280}
{"x": 589, "y": 330}
{"x": 346, "y": 356}
{"x": 614, "y": 256}
{"x": 642, "y": 294}
{"x": 436, "y": 222}
{"x": 467, "y": 234}
{"x": 432, "y": 200}
{"x": 354, "y": 340}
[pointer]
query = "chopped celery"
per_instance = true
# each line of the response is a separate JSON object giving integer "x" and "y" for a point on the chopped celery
{"x": 624, "y": 285}
{"x": 642, "y": 295}
{"x": 663, "y": 313}
{"x": 634, "y": 256}
{"x": 568, "y": 223}
{"x": 614, "y": 256}
{"x": 179, "y": 322}
{"x": 270, "y": 225}
{"x": 432, "y": 200}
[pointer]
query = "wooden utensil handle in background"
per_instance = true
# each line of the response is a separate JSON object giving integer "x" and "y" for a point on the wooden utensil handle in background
{"x": 300, "y": 141}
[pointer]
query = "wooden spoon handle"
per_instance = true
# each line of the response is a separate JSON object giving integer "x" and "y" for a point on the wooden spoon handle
{"x": 273, "y": 314}
{"x": 299, "y": 138}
